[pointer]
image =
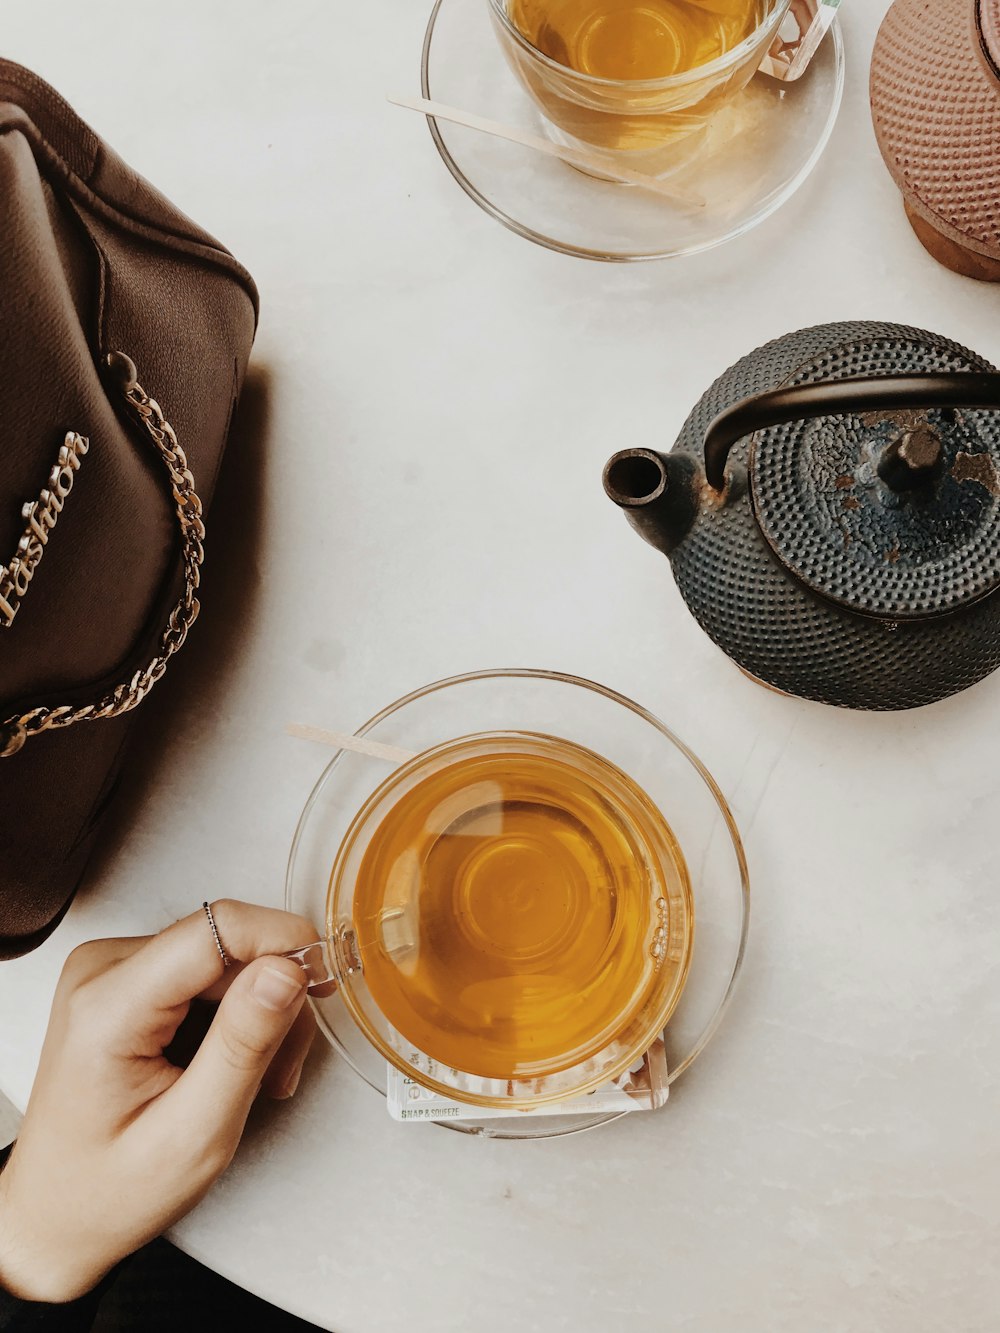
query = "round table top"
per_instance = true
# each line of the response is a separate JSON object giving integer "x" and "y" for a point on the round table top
{"x": 414, "y": 490}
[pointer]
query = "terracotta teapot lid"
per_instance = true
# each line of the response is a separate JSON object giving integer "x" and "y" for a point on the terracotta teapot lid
{"x": 892, "y": 512}
{"x": 935, "y": 92}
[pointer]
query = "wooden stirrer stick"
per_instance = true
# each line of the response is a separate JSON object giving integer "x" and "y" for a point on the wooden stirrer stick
{"x": 342, "y": 740}
{"x": 576, "y": 157}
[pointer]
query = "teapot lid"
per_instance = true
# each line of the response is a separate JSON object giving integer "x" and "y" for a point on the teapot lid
{"x": 892, "y": 514}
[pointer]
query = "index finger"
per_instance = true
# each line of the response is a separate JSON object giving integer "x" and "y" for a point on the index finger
{"x": 183, "y": 962}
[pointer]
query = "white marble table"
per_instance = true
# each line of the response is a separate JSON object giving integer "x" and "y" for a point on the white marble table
{"x": 419, "y": 494}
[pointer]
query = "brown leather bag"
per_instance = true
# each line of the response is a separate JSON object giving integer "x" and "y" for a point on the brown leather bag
{"x": 102, "y": 482}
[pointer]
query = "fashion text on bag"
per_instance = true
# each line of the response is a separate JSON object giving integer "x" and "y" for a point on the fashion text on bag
{"x": 41, "y": 515}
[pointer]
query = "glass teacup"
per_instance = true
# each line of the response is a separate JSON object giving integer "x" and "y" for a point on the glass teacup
{"x": 511, "y": 915}
{"x": 507, "y": 947}
{"x": 650, "y": 124}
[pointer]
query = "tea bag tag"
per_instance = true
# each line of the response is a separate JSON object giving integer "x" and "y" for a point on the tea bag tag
{"x": 644, "y": 1087}
{"x": 802, "y": 29}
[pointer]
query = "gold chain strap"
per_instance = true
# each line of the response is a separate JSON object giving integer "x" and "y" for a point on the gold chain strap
{"x": 16, "y": 730}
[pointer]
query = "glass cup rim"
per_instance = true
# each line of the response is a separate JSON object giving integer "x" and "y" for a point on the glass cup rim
{"x": 561, "y": 678}
{"x": 719, "y": 65}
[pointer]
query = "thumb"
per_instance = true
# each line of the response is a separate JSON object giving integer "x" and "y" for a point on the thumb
{"x": 251, "y": 1022}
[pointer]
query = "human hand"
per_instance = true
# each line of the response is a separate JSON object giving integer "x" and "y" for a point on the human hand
{"x": 118, "y": 1143}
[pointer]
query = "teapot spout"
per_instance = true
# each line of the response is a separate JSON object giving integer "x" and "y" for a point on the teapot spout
{"x": 658, "y": 493}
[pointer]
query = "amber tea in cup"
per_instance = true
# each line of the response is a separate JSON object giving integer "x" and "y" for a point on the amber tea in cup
{"x": 635, "y": 39}
{"x": 636, "y": 77}
{"x": 519, "y": 905}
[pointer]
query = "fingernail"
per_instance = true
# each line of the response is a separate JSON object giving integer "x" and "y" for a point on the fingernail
{"x": 288, "y": 1089}
{"x": 276, "y": 990}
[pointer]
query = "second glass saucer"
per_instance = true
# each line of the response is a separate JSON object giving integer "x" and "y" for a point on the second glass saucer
{"x": 757, "y": 153}
{"x": 607, "y": 724}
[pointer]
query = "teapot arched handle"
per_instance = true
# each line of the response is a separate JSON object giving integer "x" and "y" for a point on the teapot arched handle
{"x": 889, "y": 393}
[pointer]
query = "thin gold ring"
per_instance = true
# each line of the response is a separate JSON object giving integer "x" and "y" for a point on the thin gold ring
{"x": 215, "y": 935}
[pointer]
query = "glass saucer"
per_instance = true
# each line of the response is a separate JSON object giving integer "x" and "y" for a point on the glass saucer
{"x": 757, "y": 152}
{"x": 609, "y": 725}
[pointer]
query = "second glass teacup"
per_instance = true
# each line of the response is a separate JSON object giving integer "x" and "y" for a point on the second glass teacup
{"x": 637, "y": 80}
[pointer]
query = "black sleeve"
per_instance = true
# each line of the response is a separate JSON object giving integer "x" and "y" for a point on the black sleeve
{"x": 17, "y": 1316}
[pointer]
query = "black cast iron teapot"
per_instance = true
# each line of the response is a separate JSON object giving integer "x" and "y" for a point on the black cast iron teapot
{"x": 830, "y": 511}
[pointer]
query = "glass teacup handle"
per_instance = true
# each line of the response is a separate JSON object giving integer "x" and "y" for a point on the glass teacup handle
{"x": 326, "y": 962}
{"x": 317, "y": 961}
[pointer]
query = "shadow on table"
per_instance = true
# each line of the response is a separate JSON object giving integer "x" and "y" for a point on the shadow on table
{"x": 198, "y": 679}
